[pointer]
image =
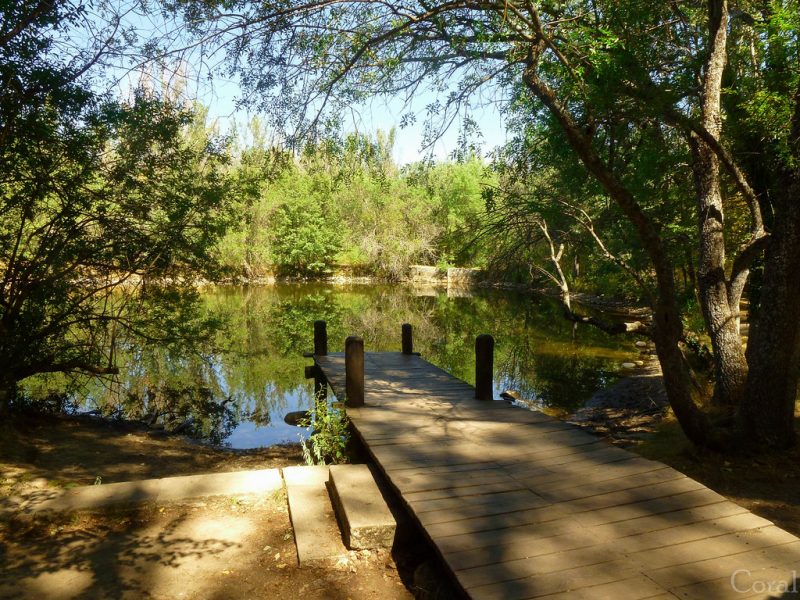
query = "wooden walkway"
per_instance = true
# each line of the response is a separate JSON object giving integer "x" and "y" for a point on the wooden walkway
{"x": 521, "y": 505}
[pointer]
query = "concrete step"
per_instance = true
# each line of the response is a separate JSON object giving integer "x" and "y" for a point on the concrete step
{"x": 365, "y": 518}
{"x": 153, "y": 490}
{"x": 316, "y": 533}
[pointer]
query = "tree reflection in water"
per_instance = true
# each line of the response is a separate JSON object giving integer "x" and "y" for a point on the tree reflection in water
{"x": 236, "y": 389}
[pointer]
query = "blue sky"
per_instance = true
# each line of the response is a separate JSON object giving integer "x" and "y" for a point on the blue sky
{"x": 220, "y": 95}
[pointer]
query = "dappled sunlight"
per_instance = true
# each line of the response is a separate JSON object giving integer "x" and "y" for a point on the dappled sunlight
{"x": 522, "y": 505}
{"x": 60, "y": 585}
{"x": 165, "y": 552}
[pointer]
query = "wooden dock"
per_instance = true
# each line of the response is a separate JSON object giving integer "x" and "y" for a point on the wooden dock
{"x": 521, "y": 505}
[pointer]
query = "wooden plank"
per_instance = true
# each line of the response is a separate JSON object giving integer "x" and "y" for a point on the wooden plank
{"x": 432, "y": 433}
{"x": 714, "y": 547}
{"x": 522, "y": 505}
{"x": 745, "y": 583}
{"x": 638, "y": 587}
{"x": 522, "y": 535}
{"x": 578, "y": 490}
{"x": 424, "y": 506}
{"x": 532, "y": 453}
{"x": 786, "y": 555}
{"x": 551, "y": 583}
{"x": 473, "y": 466}
{"x": 598, "y": 453}
{"x": 513, "y": 545}
{"x": 690, "y": 532}
{"x": 545, "y": 446}
{"x": 648, "y": 523}
{"x": 551, "y": 475}
{"x": 424, "y": 483}
{"x": 668, "y": 504}
{"x": 630, "y": 496}
{"x": 536, "y": 565}
{"x": 567, "y": 476}
{"x": 523, "y": 517}
{"x": 482, "y": 489}
{"x": 457, "y": 453}
{"x": 472, "y": 510}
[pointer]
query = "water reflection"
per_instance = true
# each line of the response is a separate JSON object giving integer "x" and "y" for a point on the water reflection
{"x": 238, "y": 392}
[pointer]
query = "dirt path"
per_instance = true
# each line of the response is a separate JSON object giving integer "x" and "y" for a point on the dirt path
{"x": 221, "y": 548}
{"x": 65, "y": 451}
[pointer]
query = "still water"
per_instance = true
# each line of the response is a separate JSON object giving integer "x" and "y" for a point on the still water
{"x": 238, "y": 394}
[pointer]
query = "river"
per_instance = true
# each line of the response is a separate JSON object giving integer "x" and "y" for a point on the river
{"x": 238, "y": 394}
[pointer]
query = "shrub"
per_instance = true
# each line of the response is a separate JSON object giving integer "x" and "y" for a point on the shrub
{"x": 303, "y": 241}
{"x": 330, "y": 434}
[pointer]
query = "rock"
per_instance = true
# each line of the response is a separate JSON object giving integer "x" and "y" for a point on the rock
{"x": 294, "y": 418}
{"x": 639, "y": 363}
{"x": 628, "y": 365}
{"x": 426, "y": 274}
{"x": 641, "y": 344}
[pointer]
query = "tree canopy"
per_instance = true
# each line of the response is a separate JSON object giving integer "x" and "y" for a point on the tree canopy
{"x": 97, "y": 196}
{"x": 673, "y": 109}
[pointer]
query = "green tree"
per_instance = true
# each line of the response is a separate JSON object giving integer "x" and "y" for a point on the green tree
{"x": 97, "y": 197}
{"x": 304, "y": 240}
{"x": 602, "y": 77}
{"x": 455, "y": 192}
{"x": 256, "y": 167}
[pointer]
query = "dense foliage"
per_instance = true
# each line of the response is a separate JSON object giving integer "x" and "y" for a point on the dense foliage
{"x": 345, "y": 203}
{"x": 96, "y": 198}
{"x": 683, "y": 119}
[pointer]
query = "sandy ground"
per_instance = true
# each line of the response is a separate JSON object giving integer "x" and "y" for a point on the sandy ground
{"x": 63, "y": 451}
{"x": 231, "y": 548}
{"x": 220, "y": 548}
{"x": 237, "y": 548}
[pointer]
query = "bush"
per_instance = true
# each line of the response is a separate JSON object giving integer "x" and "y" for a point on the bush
{"x": 303, "y": 241}
{"x": 330, "y": 433}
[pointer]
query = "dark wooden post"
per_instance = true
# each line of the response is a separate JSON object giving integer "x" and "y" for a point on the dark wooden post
{"x": 408, "y": 344}
{"x": 484, "y": 366}
{"x": 354, "y": 371}
{"x": 320, "y": 338}
{"x": 320, "y": 387}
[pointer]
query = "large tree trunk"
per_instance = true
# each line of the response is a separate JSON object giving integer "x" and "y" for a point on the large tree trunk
{"x": 721, "y": 318}
{"x": 767, "y": 415}
{"x": 666, "y": 318}
{"x": 730, "y": 365}
{"x": 773, "y": 350}
{"x": 8, "y": 393}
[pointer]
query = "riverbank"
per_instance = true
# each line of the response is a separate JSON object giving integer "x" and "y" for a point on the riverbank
{"x": 630, "y": 410}
{"x": 65, "y": 451}
{"x": 217, "y": 547}
{"x": 462, "y": 279}
{"x": 46, "y": 552}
